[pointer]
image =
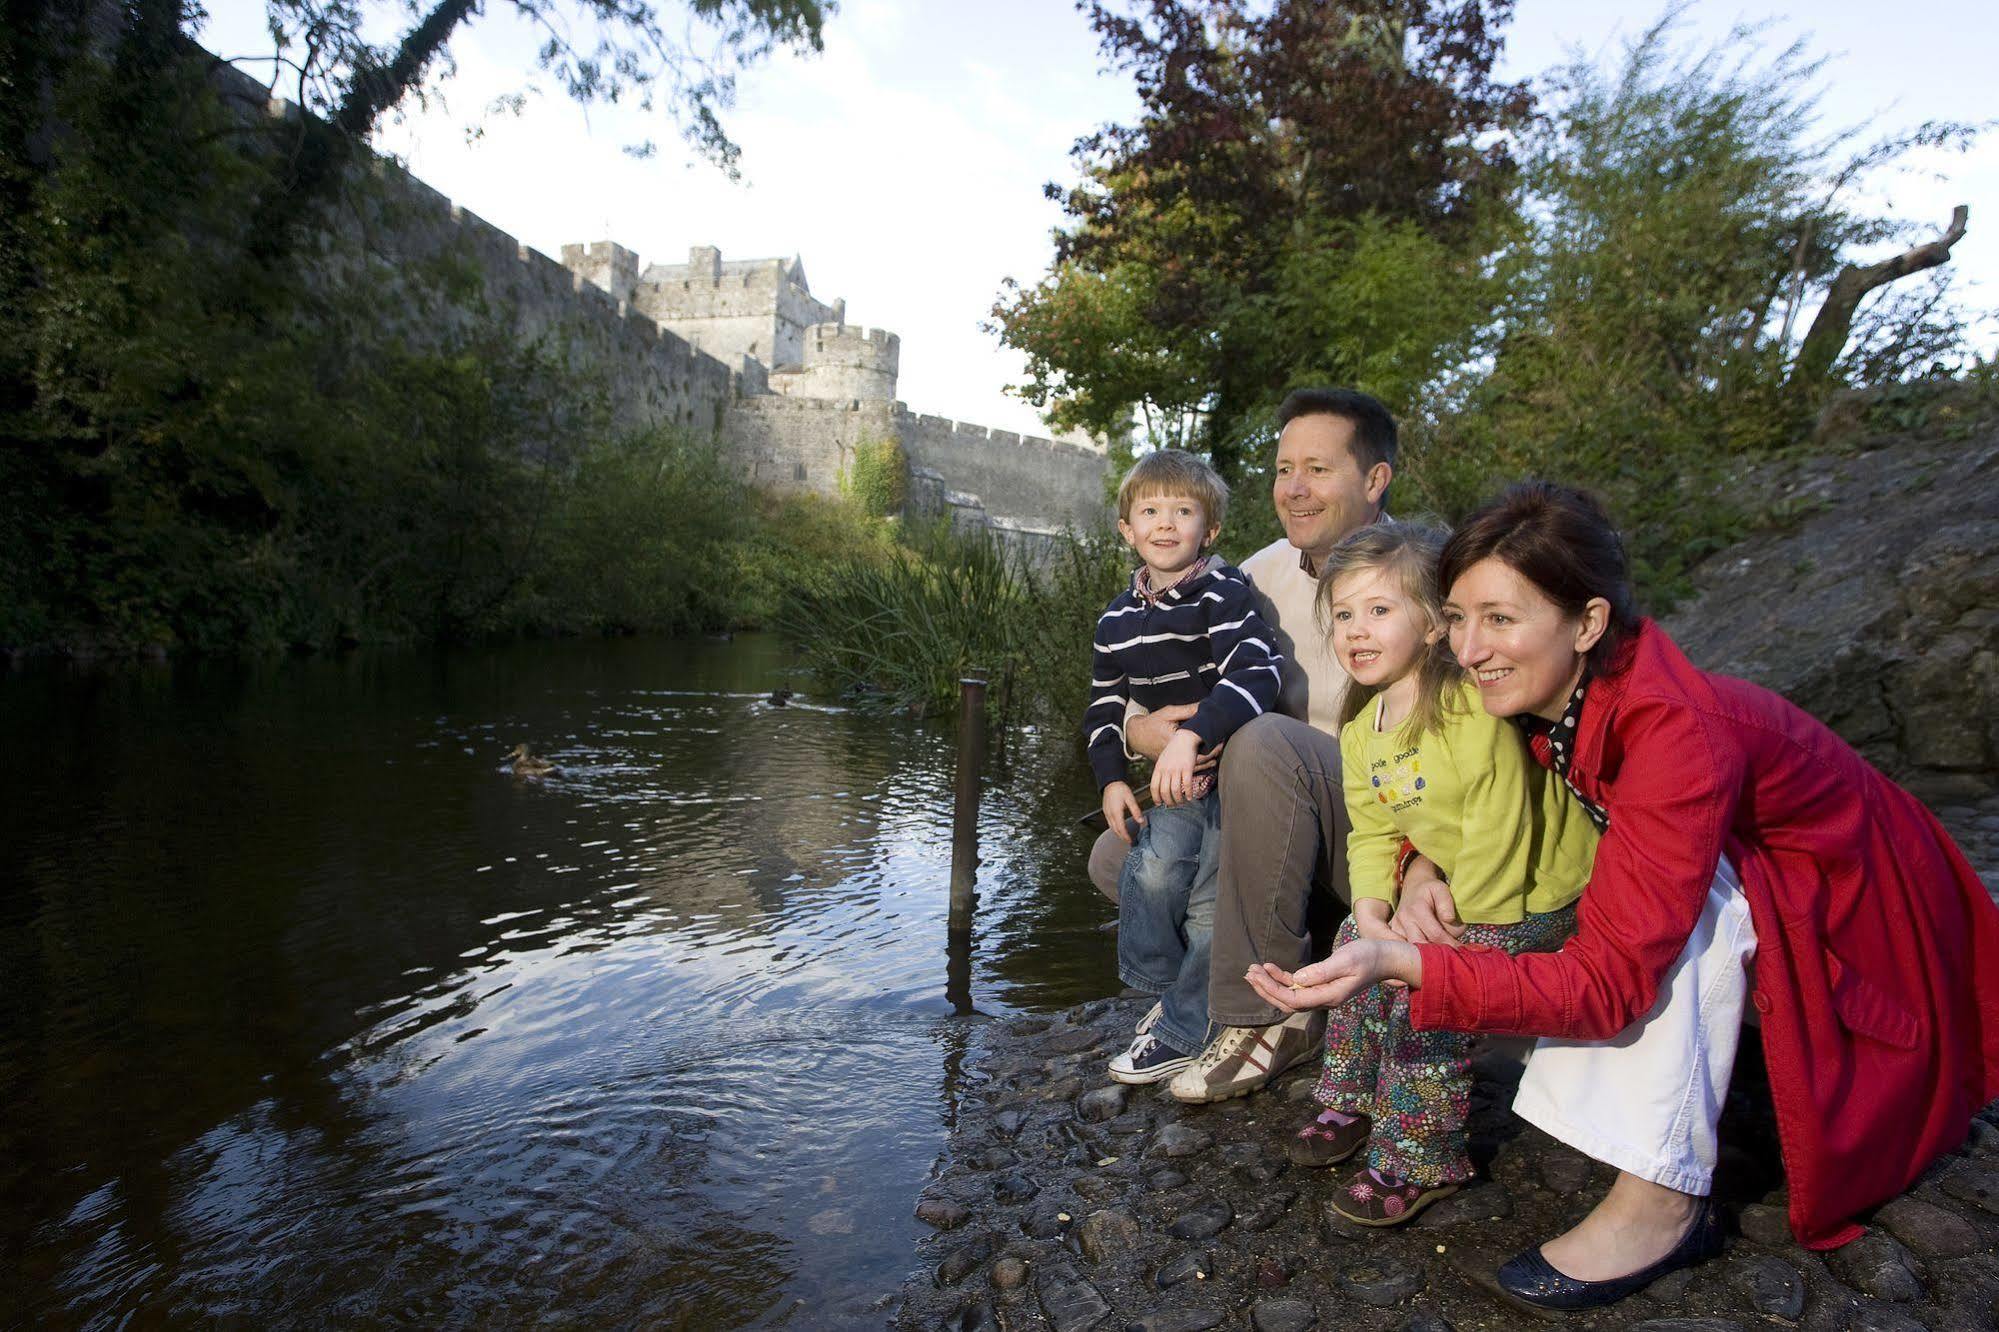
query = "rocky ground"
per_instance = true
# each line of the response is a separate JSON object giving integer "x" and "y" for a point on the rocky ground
{"x": 1066, "y": 1201}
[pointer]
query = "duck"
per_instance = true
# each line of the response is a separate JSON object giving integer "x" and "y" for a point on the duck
{"x": 780, "y": 697}
{"x": 524, "y": 764}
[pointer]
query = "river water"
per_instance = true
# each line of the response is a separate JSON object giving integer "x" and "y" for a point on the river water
{"x": 309, "y": 1014}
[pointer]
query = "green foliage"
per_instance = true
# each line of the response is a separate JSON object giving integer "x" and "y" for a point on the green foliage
{"x": 1674, "y": 203}
{"x": 199, "y": 456}
{"x": 1291, "y": 164}
{"x": 879, "y": 479}
{"x": 785, "y": 537}
{"x": 904, "y": 630}
{"x": 1605, "y": 294}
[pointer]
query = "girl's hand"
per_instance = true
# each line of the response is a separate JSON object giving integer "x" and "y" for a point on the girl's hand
{"x": 1371, "y": 919}
{"x": 1173, "y": 775}
{"x": 1346, "y": 973}
{"x": 1427, "y": 913}
{"x": 1121, "y": 804}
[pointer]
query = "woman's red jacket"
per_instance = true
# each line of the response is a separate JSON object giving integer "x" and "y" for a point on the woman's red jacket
{"x": 1877, "y": 964}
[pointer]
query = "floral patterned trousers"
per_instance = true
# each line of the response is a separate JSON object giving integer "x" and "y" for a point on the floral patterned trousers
{"x": 1415, "y": 1085}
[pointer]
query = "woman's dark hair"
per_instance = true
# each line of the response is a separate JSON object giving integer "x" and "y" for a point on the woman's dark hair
{"x": 1558, "y": 539}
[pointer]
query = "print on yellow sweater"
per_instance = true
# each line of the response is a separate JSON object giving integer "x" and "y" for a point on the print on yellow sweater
{"x": 1399, "y": 787}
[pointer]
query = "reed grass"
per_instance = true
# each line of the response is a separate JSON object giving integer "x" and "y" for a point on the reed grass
{"x": 903, "y": 631}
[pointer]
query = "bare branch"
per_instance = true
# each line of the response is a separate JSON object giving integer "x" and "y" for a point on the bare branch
{"x": 1829, "y": 331}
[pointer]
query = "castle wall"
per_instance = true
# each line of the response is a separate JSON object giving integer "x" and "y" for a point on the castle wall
{"x": 414, "y": 250}
{"x": 1023, "y": 480}
{"x": 802, "y": 444}
{"x": 760, "y": 313}
{"x": 395, "y": 228}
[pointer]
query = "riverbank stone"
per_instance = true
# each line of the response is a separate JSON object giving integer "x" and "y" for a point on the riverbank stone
{"x": 1009, "y": 1273}
{"x": 1927, "y": 1230}
{"x": 1382, "y": 1285}
{"x": 1267, "y": 1211}
{"x": 1204, "y": 1220}
{"x": 1194, "y": 1266}
{"x": 1084, "y": 1211}
{"x": 1194, "y": 1318}
{"x": 1070, "y": 1303}
{"x": 1768, "y": 1226}
{"x": 962, "y": 1261}
{"x": 1282, "y": 1315}
{"x": 1102, "y": 1104}
{"x": 943, "y": 1213}
{"x": 1772, "y": 1286}
{"x": 1072, "y": 1040}
{"x": 1877, "y": 1264}
{"x": 1107, "y": 1234}
{"x": 1178, "y": 1140}
{"x": 1976, "y": 1185}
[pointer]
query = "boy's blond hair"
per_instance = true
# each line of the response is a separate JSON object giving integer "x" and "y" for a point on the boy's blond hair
{"x": 1174, "y": 472}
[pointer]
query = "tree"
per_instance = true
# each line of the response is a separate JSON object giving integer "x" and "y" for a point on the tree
{"x": 1279, "y": 154}
{"x": 1682, "y": 205}
{"x": 594, "y": 50}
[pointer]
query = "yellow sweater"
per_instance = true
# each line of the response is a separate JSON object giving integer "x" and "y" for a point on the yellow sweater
{"x": 1503, "y": 829}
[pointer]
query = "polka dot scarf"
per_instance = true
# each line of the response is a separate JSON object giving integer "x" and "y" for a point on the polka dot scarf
{"x": 1561, "y": 740}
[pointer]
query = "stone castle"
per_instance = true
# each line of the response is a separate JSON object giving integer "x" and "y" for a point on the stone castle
{"x": 806, "y": 388}
{"x": 740, "y": 349}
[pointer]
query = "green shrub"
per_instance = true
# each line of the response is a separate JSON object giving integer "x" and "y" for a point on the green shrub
{"x": 879, "y": 479}
{"x": 906, "y": 629}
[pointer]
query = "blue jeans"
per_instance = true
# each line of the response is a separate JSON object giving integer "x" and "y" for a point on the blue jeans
{"x": 1166, "y": 916}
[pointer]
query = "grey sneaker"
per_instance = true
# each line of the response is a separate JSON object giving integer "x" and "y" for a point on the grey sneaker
{"x": 1242, "y": 1059}
{"x": 1151, "y": 1017}
{"x": 1149, "y": 1059}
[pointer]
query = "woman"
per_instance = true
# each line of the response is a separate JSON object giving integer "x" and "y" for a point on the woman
{"x": 1737, "y": 829}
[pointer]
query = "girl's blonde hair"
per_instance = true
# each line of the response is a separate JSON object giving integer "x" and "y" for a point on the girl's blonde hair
{"x": 1409, "y": 551}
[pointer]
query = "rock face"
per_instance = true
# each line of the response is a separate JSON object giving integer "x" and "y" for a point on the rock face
{"x": 1166, "y": 1216}
{"x": 1874, "y": 605}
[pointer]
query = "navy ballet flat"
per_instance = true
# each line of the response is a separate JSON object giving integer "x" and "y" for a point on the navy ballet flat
{"x": 1533, "y": 1279}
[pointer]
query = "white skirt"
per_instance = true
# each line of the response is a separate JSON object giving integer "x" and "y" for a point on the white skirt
{"x": 1647, "y": 1100}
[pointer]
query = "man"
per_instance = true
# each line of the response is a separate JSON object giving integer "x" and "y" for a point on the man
{"x": 1284, "y": 824}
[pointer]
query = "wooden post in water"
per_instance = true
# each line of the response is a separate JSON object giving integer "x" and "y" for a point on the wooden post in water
{"x": 965, "y": 813}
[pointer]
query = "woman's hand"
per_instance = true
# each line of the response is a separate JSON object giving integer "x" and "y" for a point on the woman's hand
{"x": 1426, "y": 911}
{"x": 1346, "y": 973}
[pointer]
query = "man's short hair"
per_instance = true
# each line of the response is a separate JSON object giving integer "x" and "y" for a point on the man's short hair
{"x": 1174, "y": 472}
{"x": 1373, "y": 427}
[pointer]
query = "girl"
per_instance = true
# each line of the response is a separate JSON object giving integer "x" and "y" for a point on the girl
{"x": 1423, "y": 763}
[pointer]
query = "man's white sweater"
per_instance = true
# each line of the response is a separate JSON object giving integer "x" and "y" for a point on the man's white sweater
{"x": 1286, "y": 594}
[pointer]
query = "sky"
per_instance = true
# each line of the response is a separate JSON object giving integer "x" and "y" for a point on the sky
{"x": 905, "y": 163}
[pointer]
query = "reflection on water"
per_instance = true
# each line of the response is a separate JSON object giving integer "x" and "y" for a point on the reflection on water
{"x": 310, "y": 1013}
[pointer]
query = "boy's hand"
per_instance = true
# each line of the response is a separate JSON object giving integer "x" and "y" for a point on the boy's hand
{"x": 1173, "y": 775}
{"x": 1371, "y": 919}
{"x": 1120, "y": 804}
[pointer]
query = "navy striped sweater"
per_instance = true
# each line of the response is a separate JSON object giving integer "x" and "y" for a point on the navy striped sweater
{"x": 1200, "y": 641}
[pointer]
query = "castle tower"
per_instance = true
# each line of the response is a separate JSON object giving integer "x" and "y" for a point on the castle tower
{"x": 844, "y": 362}
{"x": 604, "y": 264}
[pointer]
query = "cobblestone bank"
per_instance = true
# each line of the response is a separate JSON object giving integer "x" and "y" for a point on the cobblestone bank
{"x": 1065, "y": 1201}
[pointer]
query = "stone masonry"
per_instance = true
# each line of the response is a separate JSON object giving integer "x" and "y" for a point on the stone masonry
{"x": 737, "y": 348}
{"x": 809, "y": 389}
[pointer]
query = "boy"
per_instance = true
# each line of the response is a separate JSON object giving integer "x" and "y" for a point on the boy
{"x": 1184, "y": 632}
